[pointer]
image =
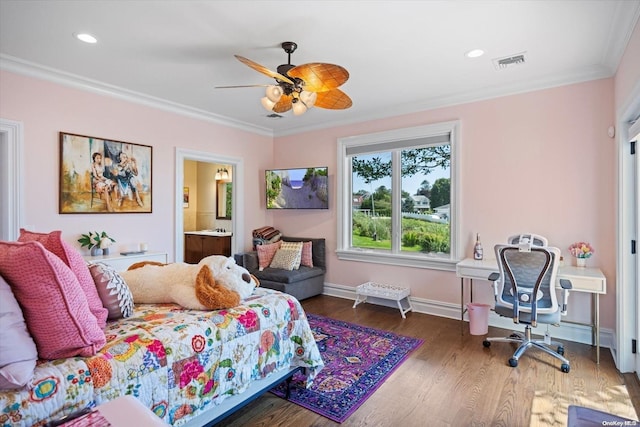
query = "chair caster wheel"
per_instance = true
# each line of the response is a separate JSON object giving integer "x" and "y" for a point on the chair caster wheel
{"x": 513, "y": 362}
{"x": 565, "y": 368}
{"x": 486, "y": 343}
{"x": 560, "y": 350}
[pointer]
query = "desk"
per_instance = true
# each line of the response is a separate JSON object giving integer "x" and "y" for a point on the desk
{"x": 589, "y": 280}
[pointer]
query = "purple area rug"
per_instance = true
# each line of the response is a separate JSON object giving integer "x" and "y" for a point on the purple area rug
{"x": 357, "y": 361}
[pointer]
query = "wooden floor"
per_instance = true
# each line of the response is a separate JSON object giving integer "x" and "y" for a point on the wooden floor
{"x": 452, "y": 380}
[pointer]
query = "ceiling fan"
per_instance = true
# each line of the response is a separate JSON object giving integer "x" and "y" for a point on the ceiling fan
{"x": 301, "y": 87}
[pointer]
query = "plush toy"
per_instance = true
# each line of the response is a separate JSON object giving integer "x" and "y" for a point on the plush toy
{"x": 216, "y": 282}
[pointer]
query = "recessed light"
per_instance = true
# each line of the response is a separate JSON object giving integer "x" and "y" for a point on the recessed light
{"x": 85, "y": 37}
{"x": 475, "y": 53}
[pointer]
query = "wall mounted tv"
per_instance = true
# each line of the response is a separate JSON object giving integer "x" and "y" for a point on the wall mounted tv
{"x": 303, "y": 188}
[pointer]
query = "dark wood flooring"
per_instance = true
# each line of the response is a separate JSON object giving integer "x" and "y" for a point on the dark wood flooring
{"x": 452, "y": 380}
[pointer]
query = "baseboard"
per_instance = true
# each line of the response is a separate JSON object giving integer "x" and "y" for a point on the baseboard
{"x": 566, "y": 331}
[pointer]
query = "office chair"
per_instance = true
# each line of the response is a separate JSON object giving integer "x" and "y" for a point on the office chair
{"x": 525, "y": 270}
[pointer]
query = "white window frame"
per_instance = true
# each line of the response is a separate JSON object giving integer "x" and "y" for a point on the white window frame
{"x": 344, "y": 249}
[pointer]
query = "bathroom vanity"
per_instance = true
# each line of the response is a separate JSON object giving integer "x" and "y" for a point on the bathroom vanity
{"x": 201, "y": 244}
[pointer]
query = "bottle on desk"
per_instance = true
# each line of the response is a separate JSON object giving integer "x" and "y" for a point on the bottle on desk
{"x": 477, "y": 249}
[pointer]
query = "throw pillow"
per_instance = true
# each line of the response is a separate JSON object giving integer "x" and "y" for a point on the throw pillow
{"x": 54, "y": 243}
{"x": 307, "y": 254}
{"x": 295, "y": 246}
{"x": 266, "y": 253}
{"x": 285, "y": 259}
{"x": 18, "y": 353}
{"x": 53, "y": 303}
{"x": 114, "y": 292}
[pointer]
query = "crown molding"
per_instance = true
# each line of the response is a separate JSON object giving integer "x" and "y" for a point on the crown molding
{"x": 30, "y": 69}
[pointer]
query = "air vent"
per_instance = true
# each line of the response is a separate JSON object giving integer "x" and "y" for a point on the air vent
{"x": 274, "y": 116}
{"x": 509, "y": 61}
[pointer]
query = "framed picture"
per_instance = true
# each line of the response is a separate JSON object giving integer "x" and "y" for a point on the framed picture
{"x": 104, "y": 176}
{"x": 185, "y": 197}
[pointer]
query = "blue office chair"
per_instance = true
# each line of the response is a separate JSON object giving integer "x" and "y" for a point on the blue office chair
{"x": 527, "y": 270}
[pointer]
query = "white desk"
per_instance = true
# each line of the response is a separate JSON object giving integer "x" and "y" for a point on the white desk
{"x": 589, "y": 280}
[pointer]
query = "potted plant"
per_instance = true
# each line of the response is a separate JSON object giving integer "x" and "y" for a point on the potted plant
{"x": 582, "y": 251}
{"x": 97, "y": 243}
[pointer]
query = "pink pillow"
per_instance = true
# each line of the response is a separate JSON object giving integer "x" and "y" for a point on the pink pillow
{"x": 52, "y": 301}
{"x": 18, "y": 353}
{"x": 307, "y": 254}
{"x": 73, "y": 259}
{"x": 266, "y": 253}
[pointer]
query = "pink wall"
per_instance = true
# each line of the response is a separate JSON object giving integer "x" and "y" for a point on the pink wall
{"x": 537, "y": 162}
{"x": 46, "y": 109}
{"x": 554, "y": 137}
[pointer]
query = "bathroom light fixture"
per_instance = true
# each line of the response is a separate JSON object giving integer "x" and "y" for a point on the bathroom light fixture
{"x": 222, "y": 174}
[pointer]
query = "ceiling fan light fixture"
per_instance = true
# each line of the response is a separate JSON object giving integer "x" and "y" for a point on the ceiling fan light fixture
{"x": 309, "y": 98}
{"x": 299, "y": 108}
{"x": 267, "y": 103}
{"x": 274, "y": 92}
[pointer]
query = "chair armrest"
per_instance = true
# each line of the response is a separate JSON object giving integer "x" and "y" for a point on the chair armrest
{"x": 566, "y": 286}
{"x": 494, "y": 278}
{"x": 248, "y": 260}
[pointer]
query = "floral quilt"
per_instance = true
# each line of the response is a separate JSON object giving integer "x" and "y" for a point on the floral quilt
{"x": 177, "y": 362}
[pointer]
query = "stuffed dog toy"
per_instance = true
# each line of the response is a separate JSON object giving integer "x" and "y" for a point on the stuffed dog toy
{"x": 214, "y": 283}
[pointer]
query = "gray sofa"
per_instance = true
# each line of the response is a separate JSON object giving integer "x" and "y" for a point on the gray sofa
{"x": 302, "y": 283}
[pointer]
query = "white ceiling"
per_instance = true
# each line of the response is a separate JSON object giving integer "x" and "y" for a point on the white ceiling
{"x": 403, "y": 56}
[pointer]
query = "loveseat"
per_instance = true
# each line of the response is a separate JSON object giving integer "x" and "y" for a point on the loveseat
{"x": 303, "y": 282}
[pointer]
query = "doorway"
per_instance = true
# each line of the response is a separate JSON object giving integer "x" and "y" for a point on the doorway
{"x": 628, "y": 230}
{"x": 11, "y": 174}
{"x": 237, "y": 200}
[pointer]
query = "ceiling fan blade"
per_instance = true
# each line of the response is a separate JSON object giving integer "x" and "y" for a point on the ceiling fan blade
{"x": 264, "y": 70}
{"x": 320, "y": 77}
{"x": 284, "y": 104}
{"x": 235, "y": 87}
{"x": 333, "y": 100}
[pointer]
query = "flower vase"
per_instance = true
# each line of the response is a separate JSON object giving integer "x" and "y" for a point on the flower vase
{"x": 96, "y": 251}
{"x": 105, "y": 251}
{"x": 581, "y": 262}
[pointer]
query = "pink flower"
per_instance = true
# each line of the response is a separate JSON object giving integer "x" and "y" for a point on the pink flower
{"x": 190, "y": 371}
{"x": 249, "y": 319}
{"x": 581, "y": 250}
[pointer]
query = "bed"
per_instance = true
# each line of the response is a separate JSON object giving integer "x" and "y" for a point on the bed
{"x": 189, "y": 367}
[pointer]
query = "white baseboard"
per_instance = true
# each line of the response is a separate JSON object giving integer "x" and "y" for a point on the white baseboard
{"x": 566, "y": 331}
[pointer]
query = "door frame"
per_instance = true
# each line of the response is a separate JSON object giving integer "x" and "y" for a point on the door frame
{"x": 627, "y": 293}
{"x": 11, "y": 178}
{"x": 237, "y": 195}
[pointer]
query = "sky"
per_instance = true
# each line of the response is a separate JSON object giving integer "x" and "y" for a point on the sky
{"x": 410, "y": 184}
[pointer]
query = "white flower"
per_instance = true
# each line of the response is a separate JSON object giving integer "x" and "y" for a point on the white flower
{"x": 105, "y": 242}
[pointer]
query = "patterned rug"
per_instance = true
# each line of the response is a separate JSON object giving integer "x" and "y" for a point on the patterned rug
{"x": 357, "y": 361}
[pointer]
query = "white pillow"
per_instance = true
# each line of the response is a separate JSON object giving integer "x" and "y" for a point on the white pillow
{"x": 285, "y": 259}
{"x": 297, "y": 247}
{"x": 18, "y": 352}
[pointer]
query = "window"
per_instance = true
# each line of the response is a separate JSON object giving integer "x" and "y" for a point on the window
{"x": 398, "y": 197}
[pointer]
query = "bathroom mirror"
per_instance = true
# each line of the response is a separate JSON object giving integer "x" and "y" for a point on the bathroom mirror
{"x": 223, "y": 200}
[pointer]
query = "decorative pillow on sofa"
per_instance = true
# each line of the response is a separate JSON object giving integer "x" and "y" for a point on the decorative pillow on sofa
{"x": 307, "y": 254}
{"x": 53, "y": 302}
{"x": 54, "y": 243}
{"x": 114, "y": 292}
{"x": 285, "y": 259}
{"x": 266, "y": 253}
{"x": 18, "y": 353}
{"x": 295, "y": 246}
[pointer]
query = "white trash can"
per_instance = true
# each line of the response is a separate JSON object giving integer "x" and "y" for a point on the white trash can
{"x": 478, "y": 318}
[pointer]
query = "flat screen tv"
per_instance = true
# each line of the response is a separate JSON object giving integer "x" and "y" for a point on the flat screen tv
{"x": 303, "y": 188}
